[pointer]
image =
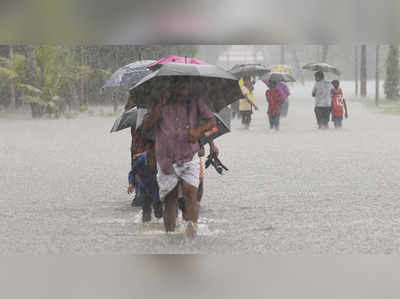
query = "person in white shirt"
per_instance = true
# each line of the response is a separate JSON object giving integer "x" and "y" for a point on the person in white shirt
{"x": 322, "y": 94}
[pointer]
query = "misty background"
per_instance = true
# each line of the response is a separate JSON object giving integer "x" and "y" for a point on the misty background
{"x": 58, "y": 80}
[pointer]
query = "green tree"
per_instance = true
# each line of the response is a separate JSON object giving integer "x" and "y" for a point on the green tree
{"x": 53, "y": 72}
{"x": 392, "y": 80}
{"x": 13, "y": 69}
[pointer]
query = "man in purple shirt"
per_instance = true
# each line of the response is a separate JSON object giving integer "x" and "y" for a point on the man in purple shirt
{"x": 178, "y": 127}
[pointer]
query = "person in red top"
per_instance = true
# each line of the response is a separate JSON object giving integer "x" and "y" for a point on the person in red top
{"x": 274, "y": 99}
{"x": 339, "y": 107}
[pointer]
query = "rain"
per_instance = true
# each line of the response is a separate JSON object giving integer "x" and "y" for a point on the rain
{"x": 64, "y": 176}
{"x": 199, "y": 149}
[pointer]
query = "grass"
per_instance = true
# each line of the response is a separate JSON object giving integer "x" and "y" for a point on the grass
{"x": 385, "y": 106}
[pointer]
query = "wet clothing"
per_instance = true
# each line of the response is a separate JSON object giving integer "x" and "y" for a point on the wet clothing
{"x": 188, "y": 172}
{"x": 285, "y": 107}
{"x": 322, "y": 93}
{"x": 337, "y": 102}
{"x": 275, "y": 100}
{"x": 137, "y": 145}
{"x": 244, "y": 104}
{"x": 145, "y": 177}
{"x": 322, "y": 114}
{"x": 246, "y": 117}
{"x": 172, "y": 143}
{"x": 283, "y": 89}
{"x": 274, "y": 121}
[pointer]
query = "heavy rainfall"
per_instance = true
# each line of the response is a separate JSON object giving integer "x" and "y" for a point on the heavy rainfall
{"x": 299, "y": 177}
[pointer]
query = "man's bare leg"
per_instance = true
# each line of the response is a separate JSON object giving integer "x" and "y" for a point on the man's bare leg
{"x": 171, "y": 201}
{"x": 191, "y": 207}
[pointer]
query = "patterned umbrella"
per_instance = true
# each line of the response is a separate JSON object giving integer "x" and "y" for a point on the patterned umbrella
{"x": 129, "y": 75}
{"x": 281, "y": 68}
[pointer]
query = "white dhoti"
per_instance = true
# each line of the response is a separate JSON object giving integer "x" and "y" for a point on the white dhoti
{"x": 188, "y": 172}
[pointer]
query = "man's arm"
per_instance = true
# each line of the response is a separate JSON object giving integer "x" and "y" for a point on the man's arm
{"x": 213, "y": 148}
{"x": 314, "y": 91}
{"x": 251, "y": 103}
{"x": 195, "y": 133}
{"x": 152, "y": 118}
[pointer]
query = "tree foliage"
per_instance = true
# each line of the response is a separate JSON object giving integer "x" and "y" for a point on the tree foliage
{"x": 392, "y": 80}
{"x": 54, "y": 78}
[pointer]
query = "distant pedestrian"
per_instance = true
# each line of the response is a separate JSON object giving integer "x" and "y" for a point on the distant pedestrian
{"x": 275, "y": 100}
{"x": 339, "y": 106}
{"x": 322, "y": 94}
{"x": 282, "y": 87}
{"x": 247, "y": 102}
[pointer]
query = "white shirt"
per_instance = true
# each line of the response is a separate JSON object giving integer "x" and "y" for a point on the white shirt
{"x": 322, "y": 91}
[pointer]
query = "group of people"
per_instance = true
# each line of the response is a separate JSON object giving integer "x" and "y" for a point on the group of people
{"x": 166, "y": 167}
{"x": 329, "y": 100}
{"x": 277, "y": 97}
{"x": 166, "y": 155}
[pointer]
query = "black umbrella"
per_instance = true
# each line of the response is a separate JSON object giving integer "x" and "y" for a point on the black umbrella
{"x": 126, "y": 120}
{"x": 322, "y": 67}
{"x": 279, "y": 77}
{"x": 129, "y": 75}
{"x": 216, "y": 86}
{"x": 220, "y": 129}
{"x": 250, "y": 69}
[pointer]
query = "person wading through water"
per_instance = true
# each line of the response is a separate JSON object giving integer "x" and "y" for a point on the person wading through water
{"x": 176, "y": 121}
{"x": 322, "y": 94}
{"x": 247, "y": 102}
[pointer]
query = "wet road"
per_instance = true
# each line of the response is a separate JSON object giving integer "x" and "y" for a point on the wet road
{"x": 63, "y": 188}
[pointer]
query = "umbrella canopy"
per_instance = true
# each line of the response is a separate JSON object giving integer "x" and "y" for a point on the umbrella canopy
{"x": 129, "y": 75}
{"x": 220, "y": 129}
{"x": 216, "y": 86}
{"x": 174, "y": 59}
{"x": 323, "y": 67}
{"x": 126, "y": 120}
{"x": 278, "y": 77}
{"x": 281, "y": 68}
{"x": 250, "y": 69}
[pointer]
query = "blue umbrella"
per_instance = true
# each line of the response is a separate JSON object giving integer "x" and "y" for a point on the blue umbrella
{"x": 129, "y": 75}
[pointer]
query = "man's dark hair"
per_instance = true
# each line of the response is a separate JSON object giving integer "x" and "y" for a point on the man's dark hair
{"x": 272, "y": 83}
{"x": 319, "y": 76}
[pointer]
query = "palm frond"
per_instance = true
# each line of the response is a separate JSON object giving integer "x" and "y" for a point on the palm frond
{"x": 9, "y": 73}
{"x": 34, "y": 100}
{"x": 30, "y": 88}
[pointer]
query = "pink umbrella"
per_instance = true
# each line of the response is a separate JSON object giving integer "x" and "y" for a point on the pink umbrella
{"x": 174, "y": 59}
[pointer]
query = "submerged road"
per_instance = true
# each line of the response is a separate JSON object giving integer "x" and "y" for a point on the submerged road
{"x": 63, "y": 188}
